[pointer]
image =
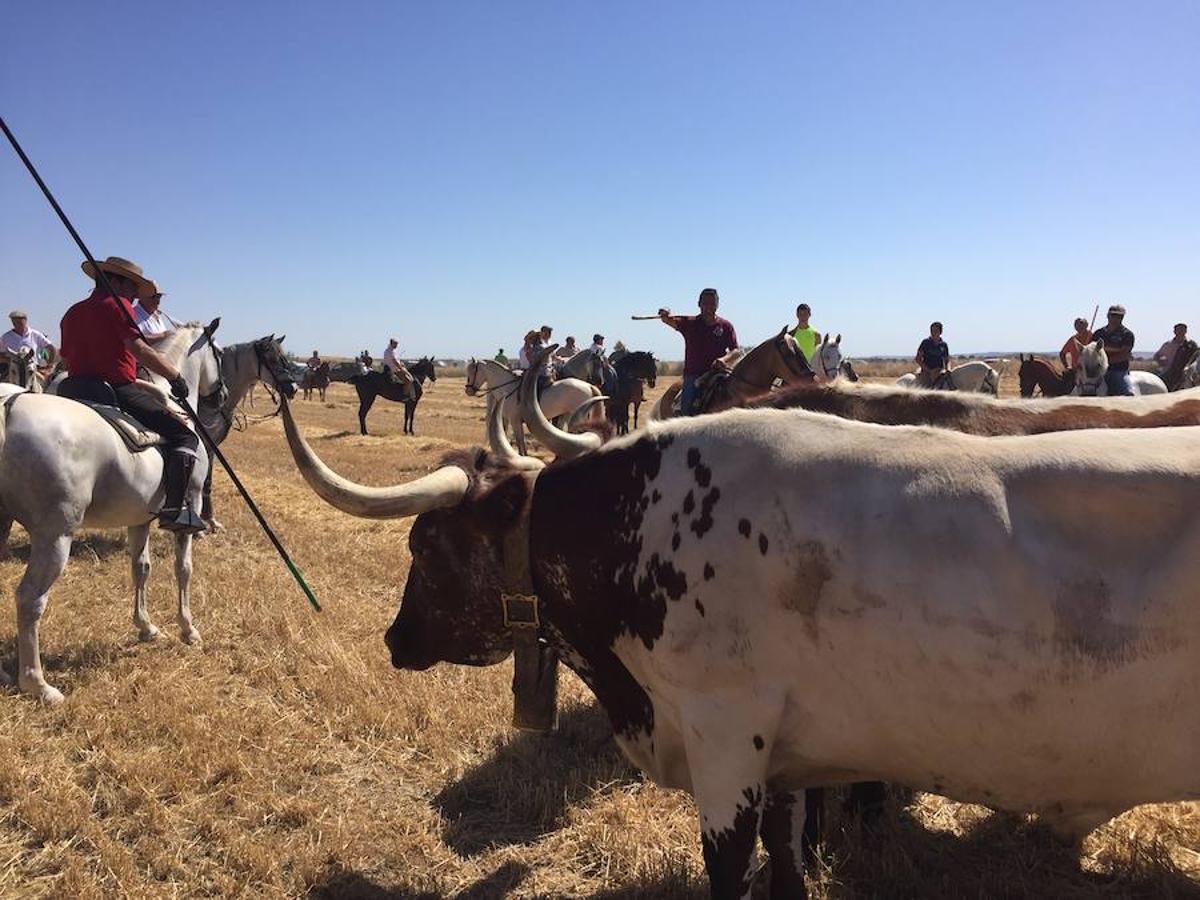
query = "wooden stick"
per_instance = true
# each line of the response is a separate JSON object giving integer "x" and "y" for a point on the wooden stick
{"x": 643, "y": 318}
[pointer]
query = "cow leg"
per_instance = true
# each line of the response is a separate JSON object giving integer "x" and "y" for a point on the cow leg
{"x": 139, "y": 564}
{"x": 6, "y": 524}
{"x": 814, "y": 823}
{"x": 784, "y": 834}
{"x": 866, "y": 800}
{"x": 47, "y": 559}
{"x": 183, "y": 579}
{"x": 728, "y": 747}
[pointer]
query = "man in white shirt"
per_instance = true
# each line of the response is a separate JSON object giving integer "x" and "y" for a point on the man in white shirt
{"x": 153, "y": 323}
{"x": 21, "y": 335}
{"x": 394, "y": 368}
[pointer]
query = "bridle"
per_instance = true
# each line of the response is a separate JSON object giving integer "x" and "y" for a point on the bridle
{"x": 831, "y": 372}
{"x": 473, "y": 390}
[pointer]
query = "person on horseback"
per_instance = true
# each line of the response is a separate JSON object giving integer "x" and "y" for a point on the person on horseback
{"x": 706, "y": 339}
{"x": 313, "y": 362}
{"x": 102, "y": 349}
{"x": 1118, "y": 346}
{"x": 501, "y": 358}
{"x": 805, "y": 335}
{"x": 546, "y": 376}
{"x": 567, "y": 350}
{"x": 618, "y": 351}
{"x": 1069, "y": 354}
{"x": 152, "y": 322}
{"x": 395, "y": 369}
{"x": 933, "y": 356}
{"x": 1165, "y": 357}
{"x": 528, "y": 350}
{"x": 22, "y": 336}
{"x": 597, "y": 344}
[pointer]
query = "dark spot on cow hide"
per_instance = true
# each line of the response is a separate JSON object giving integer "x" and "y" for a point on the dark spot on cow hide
{"x": 703, "y": 475}
{"x": 744, "y": 527}
{"x": 758, "y": 742}
{"x": 693, "y": 457}
{"x": 811, "y": 572}
{"x": 762, "y": 543}
{"x": 689, "y": 503}
{"x": 727, "y": 852}
{"x": 1084, "y": 626}
{"x": 675, "y": 541}
{"x": 655, "y": 496}
{"x": 704, "y": 521}
{"x": 700, "y": 608}
{"x": 586, "y": 571}
{"x": 709, "y": 572}
{"x": 1022, "y": 701}
{"x": 674, "y": 518}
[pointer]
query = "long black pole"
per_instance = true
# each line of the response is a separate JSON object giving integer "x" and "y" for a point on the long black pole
{"x": 187, "y": 406}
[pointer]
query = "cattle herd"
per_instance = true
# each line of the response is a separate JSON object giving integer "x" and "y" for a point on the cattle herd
{"x": 820, "y": 584}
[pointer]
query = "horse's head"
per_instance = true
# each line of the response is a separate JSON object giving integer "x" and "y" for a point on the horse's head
{"x": 429, "y": 366}
{"x": 473, "y": 385}
{"x": 848, "y": 371}
{"x": 1093, "y": 366}
{"x": 1028, "y": 375}
{"x": 648, "y": 367}
{"x": 830, "y": 354}
{"x": 788, "y": 362}
{"x": 22, "y": 368}
{"x": 273, "y": 365}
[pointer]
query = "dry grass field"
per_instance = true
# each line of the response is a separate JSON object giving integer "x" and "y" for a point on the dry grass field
{"x": 285, "y": 757}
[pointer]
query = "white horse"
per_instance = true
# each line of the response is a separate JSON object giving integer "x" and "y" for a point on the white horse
{"x": 1093, "y": 368}
{"x": 975, "y": 376}
{"x": 23, "y": 371}
{"x": 1191, "y": 374}
{"x": 62, "y": 467}
{"x": 501, "y": 383}
{"x": 829, "y": 363}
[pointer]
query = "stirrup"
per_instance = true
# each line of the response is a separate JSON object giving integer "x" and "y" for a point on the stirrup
{"x": 181, "y": 520}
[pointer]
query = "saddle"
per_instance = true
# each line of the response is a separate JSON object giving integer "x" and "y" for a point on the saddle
{"x": 103, "y": 400}
{"x": 707, "y": 386}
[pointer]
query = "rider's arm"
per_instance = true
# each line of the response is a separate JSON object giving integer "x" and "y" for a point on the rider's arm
{"x": 151, "y": 358}
{"x": 673, "y": 321}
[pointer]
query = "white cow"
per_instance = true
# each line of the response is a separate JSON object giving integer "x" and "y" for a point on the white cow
{"x": 961, "y": 626}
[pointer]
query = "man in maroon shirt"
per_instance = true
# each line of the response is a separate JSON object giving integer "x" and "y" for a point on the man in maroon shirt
{"x": 101, "y": 345}
{"x": 706, "y": 338}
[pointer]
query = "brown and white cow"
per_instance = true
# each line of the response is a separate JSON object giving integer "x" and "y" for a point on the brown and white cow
{"x": 967, "y": 624}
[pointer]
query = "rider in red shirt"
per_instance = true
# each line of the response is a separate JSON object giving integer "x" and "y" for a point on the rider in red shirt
{"x": 706, "y": 338}
{"x": 100, "y": 345}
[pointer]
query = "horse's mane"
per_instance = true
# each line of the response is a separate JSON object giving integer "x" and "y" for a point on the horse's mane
{"x": 178, "y": 342}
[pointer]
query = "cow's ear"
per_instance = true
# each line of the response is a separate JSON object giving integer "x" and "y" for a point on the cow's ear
{"x": 505, "y": 502}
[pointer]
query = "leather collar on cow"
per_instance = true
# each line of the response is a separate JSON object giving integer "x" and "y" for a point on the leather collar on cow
{"x": 535, "y": 665}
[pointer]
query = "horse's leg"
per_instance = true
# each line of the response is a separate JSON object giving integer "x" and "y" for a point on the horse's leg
{"x": 206, "y": 504}
{"x": 183, "y": 579}
{"x": 515, "y": 425}
{"x": 47, "y": 558}
{"x": 364, "y": 407}
{"x": 636, "y": 407}
{"x": 139, "y": 563}
{"x": 409, "y": 408}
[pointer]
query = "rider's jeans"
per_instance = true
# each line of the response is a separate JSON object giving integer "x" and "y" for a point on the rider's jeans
{"x": 1118, "y": 383}
{"x": 687, "y": 395}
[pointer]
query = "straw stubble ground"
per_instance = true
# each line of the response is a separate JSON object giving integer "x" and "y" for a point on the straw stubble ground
{"x": 285, "y": 757}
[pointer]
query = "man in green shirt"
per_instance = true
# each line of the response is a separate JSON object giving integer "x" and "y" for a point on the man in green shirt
{"x": 806, "y": 336}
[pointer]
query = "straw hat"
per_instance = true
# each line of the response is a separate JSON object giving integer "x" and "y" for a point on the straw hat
{"x": 115, "y": 265}
{"x": 18, "y": 314}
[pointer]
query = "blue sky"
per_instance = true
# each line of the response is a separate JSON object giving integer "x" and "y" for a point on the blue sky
{"x": 453, "y": 173}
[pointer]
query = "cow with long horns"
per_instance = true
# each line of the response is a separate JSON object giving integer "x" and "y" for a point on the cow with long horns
{"x": 957, "y": 627}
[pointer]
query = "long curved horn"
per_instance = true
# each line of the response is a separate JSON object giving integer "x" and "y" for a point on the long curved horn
{"x": 445, "y": 487}
{"x": 563, "y": 445}
{"x": 582, "y": 411}
{"x": 500, "y": 444}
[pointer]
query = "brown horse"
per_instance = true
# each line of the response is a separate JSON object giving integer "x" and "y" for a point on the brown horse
{"x": 1040, "y": 374}
{"x": 316, "y": 379}
{"x": 778, "y": 358}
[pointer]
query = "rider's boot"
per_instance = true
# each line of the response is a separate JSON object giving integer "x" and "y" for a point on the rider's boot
{"x": 176, "y": 515}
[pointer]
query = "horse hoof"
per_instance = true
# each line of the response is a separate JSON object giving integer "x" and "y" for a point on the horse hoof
{"x": 191, "y": 637}
{"x": 44, "y": 693}
{"x": 214, "y": 525}
{"x": 148, "y": 634}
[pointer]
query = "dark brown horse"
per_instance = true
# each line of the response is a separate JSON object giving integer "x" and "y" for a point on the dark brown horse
{"x": 316, "y": 379}
{"x": 631, "y": 373}
{"x": 380, "y": 384}
{"x": 1041, "y": 374}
